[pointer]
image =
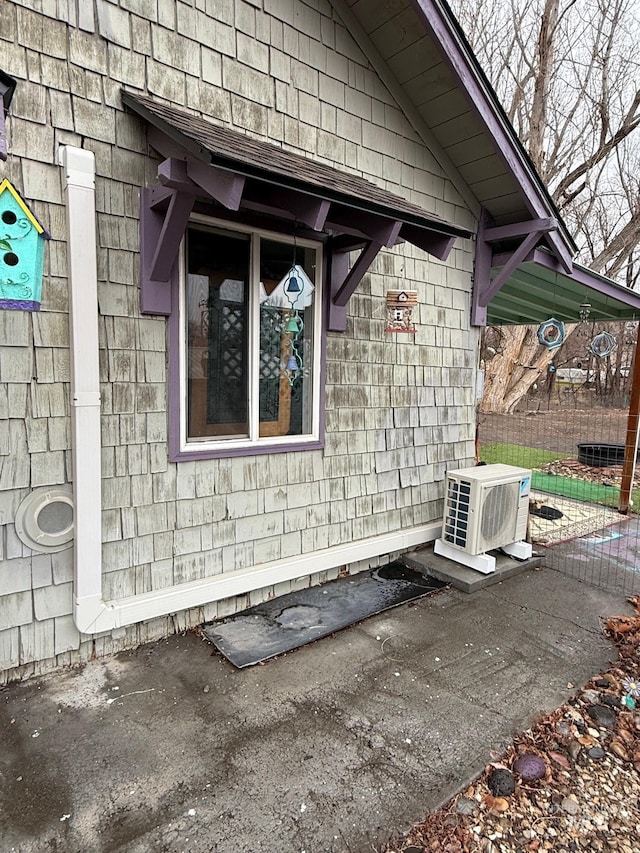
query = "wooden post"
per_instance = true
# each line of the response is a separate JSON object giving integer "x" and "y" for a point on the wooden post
{"x": 633, "y": 422}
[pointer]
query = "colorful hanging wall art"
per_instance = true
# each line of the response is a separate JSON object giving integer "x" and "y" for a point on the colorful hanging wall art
{"x": 551, "y": 333}
{"x": 400, "y": 305}
{"x": 22, "y": 240}
{"x": 603, "y": 345}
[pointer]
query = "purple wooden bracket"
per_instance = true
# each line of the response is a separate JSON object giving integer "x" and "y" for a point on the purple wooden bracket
{"x": 3, "y": 135}
{"x": 172, "y": 173}
{"x": 348, "y": 243}
{"x": 155, "y": 296}
{"x": 438, "y": 245}
{"x": 519, "y": 229}
{"x": 170, "y": 237}
{"x": 337, "y": 320}
{"x": 485, "y": 287}
{"x": 280, "y": 201}
{"x": 200, "y": 178}
{"x": 225, "y": 187}
{"x": 354, "y": 276}
{"x": 377, "y": 229}
{"x": 311, "y": 211}
{"x": 160, "y": 197}
{"x": 481, "y": 273}
{"x": 492, "y": 287}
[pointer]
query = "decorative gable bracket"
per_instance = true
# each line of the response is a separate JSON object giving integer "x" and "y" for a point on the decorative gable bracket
{"x": 529, "y": 234}
{"x": 166, "y": 208}
{"x": 165, "y": 212}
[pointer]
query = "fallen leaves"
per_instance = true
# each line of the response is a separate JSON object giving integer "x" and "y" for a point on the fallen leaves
{"x": 560, "y": 759}
{"x": 496, "y": 804}
{"x": 587, "y": 790}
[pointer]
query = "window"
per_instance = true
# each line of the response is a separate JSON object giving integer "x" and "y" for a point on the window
{"x": 250, "y": 339}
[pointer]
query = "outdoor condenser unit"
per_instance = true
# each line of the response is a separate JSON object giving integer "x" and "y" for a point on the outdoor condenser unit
{"x": 485, "y": 508}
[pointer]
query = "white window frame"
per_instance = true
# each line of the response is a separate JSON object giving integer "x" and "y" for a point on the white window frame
{"x": 215, "y": 446}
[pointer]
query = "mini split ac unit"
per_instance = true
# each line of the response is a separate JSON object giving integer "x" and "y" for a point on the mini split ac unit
{"x": 485, "y": 508}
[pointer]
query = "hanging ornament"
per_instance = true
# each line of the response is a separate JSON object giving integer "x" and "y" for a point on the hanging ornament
{"x": 293, "y": 285}
{"x": 292, "y": 324}
{"x": 603, "y": 345}
{"x": 551, "y": 333}
{"x": 584, "y": 311}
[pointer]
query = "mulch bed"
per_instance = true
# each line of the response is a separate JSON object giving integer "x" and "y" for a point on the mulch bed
{"x": 609, "y": 476}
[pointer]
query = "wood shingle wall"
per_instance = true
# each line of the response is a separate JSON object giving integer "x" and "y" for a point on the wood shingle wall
{"x": 398, "y": 411}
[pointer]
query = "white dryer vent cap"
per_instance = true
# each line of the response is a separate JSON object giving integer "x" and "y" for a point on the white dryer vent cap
{"x": 44, "y": 520}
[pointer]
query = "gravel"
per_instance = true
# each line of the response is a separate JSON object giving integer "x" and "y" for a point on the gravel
{"x": 589, "y": 796}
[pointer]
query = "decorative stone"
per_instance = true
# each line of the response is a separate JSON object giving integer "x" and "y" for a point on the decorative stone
{"x": 596, "y": 752}
{"x": 530, "y": 767}
{"x": 570, "y": 806}
{"x": 591, "y": 696}
{"x": 501, "y": 783}
{"x": 602, "y": 715}
{"x": 464, "y": 805}
{"x": 611, "y": 700}
{"x": 574, "y": 750}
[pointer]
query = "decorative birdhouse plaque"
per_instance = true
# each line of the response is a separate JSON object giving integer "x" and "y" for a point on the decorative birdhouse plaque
{"x": 400, "y": 305}
{"x": 22, "y": 240}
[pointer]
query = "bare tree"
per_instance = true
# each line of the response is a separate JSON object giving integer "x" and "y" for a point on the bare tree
{"x": 566, "y": 72}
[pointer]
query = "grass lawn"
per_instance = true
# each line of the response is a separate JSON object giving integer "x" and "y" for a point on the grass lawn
{"x": 531, "y": 457}
{"x": 516, "y": 454}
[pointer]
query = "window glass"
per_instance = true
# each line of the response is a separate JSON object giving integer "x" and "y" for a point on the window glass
{"x": 251, "y": 324}
{"x": 286, "y": 338}
{"x": 217, "y": 308}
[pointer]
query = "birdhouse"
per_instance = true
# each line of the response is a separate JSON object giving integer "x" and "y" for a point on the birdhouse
{"x": 22, "y": 240}
{"x": 400, "y": 305}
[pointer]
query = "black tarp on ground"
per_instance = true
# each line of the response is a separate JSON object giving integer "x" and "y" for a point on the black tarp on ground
{"x": 293, "y": 620}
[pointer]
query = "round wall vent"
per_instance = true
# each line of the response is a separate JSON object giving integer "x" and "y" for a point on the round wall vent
{"x": 44, "y": 520}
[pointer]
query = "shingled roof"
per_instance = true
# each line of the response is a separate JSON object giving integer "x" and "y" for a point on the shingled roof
{"x": 238, "y": 152}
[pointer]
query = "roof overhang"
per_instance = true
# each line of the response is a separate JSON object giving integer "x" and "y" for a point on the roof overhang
{"x": 239, "y": 173}
{"x": 539, "y": 289}
{"x": 422, "y": 54}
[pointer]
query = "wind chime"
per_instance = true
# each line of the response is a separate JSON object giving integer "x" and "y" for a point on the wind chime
{"x": 604, "y": 343}
{"x": 294, "y": 326}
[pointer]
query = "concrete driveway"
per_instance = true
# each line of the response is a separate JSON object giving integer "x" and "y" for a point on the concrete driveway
{"x": 334, "y": 747}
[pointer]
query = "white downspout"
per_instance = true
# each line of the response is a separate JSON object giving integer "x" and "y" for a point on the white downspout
{"x": 79, "y": 186}
{"x": 91, "y": 612}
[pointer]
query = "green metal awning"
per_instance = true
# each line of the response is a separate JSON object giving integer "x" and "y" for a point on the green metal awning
{"x": 539, "y": 289}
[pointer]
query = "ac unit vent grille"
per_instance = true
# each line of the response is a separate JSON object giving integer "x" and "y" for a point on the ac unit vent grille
{"x": 498, "y": 511}
{"x": 456, "y": 528}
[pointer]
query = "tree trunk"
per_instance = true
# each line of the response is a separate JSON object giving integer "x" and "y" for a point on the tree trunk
{"x": 544, "y": 60}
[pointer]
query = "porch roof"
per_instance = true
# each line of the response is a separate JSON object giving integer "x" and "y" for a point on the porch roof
{"x": 265, "y": 162}
{"x": 239, "y": 173}
{"x": 539, "y": 288}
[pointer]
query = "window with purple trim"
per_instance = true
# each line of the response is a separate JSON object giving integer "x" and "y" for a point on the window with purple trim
{"x": 250, "y": 309}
